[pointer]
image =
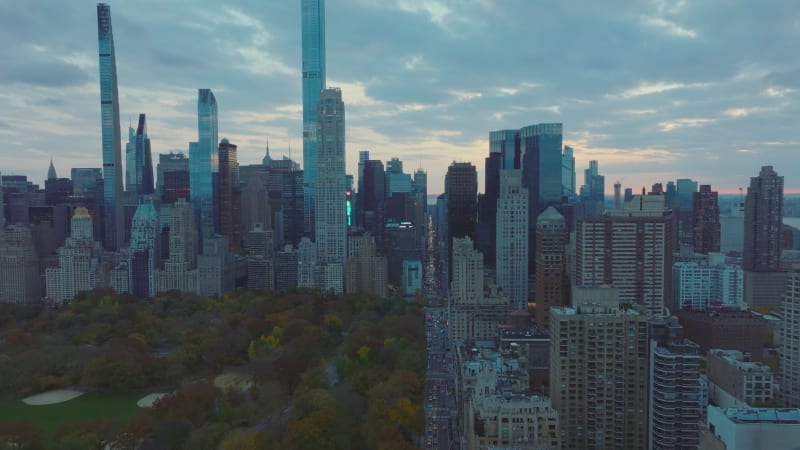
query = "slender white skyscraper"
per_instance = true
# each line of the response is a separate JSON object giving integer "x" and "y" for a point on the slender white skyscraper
{"x": 511, "y": 260}
{"x": 313, "y": 42}
{"x": 331, "y": 223}
{"x": 113, "y": 213}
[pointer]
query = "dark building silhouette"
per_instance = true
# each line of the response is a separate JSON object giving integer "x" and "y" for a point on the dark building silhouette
{"x": 763, "y": 216}
{"x": 230, "y": 199}
{"x": 374, "y": 198}
{"x": 705, "y": 220}
{"x": 461, "y": 196}
{"x": 487, "y": 208}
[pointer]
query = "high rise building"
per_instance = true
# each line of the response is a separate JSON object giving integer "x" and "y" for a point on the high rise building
{"x": 705, "y": 220}
{"x": 77, "y": 261}
{"x": 145, "y": 251}
{"x": 707, "y": 285}
{"x": 674, "y": 382}
{"x": 230, "y": 195}
{"x": 568, "y": 171}
{"x": 114, "y": 226}
{"x": 598, "y": 372}
{"x": 214, "y": 269}
{"x": 286, "y": 269}
{"x": 204, "y": 165}
{"x": 19, "y": 266}
{"x": 540, "y": 146}
{"x": 630, "y": 250}
{"x": 507, "y": 144}
{"x": 763, "y": 216}
{"x": 551, "y": 264}
{"x": 173, "y": 177}
{"x": 593, "y": 194}
{"x": 260, "y": 259}
{"x": 307, "y": 264}
{"x": 180, "y": 269}
{"x": 84, "y": 180}
{"x": 511, "y": 244}
{"x": 313, "y": 43}
{"x": 139, "y": 159}
{"x": 461, "y": 194}
{"x": 331, "y": 216}
{"x": 367, "y": 271}
{"x": 790, "y": 344}
{"x": 372, "y": 197}
{"x": 486, "y": 227}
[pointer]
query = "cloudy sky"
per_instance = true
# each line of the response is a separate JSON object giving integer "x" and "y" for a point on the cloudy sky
{"x": 654, "y": 90}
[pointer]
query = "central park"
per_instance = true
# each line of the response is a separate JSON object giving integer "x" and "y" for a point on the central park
{"x": 299, "y": 370}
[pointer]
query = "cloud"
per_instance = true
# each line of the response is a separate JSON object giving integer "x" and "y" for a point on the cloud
{"x": 668, "y": 27}
{"x": 647, "y": 88}
{"x": 670, "y": 125}
{"x": 54, "y": 74}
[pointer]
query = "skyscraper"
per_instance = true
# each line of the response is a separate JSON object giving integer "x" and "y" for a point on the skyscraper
{"x": 331, "y": 217}
{"x": 568, "y": 171}
{"x": 763, "y": 216}
{"x": 230, "y": 195}
{"x": 313, "y": 42}
{"x": 113, "y": 220}
{"x": 461, "y": 194}
{"x": 598, "y": 372}
{"x": 551, "y": 263}
{"x": 145, "y": 251}
{"x": 204, "y": 165}
{"x": 790, "y": 344}
{"x": 705, "y": 220}
{"x": 511, "y": 259}
{"x": 593, "y": 190}
{"x": 77, "y": 261}
{"x": 139, "y": 170}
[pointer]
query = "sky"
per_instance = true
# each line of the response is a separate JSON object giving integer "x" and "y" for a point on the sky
{"x": 654, "y": 90}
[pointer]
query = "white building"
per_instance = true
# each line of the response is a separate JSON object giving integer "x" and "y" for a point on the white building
{"x": 790, "y": 343}
{"x": 180, "y": 269}
{"x": 755, "y": 428}
{"x": 511, "y": 261}
{"x": 698, "y": 286}
{"x": 77, "y": 261}
{"x": 736, "y": 382}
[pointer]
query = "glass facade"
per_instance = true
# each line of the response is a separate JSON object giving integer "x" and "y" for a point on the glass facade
{"x": 113, "y": 226}
{"x": 204, "y": 164}
{"x": 313, "y": 43}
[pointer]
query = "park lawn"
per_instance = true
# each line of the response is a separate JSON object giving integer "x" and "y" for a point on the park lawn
{"x": 49, "y": 417}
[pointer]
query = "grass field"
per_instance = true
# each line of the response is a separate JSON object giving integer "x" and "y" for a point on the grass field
{"x": 49, "y": 417}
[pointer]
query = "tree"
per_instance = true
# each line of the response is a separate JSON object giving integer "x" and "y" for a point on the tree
{"x": 20, "y": 436}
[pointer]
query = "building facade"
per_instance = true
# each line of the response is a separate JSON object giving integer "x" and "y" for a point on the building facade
{"x": 511, "y": 262}
{"x": 204, "y": 165}
{"x": 551, "y": 264}
{"x": 763, "y": 219}
{"x": 313, "y": 60}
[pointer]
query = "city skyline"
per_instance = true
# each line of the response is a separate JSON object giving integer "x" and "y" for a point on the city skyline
{"x": 427, "y": 85}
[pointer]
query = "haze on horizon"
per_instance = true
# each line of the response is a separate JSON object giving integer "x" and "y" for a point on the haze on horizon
{"x": 654, "y": 90}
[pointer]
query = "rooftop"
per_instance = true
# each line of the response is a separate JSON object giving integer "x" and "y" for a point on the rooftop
{"x": 763, "y": 415}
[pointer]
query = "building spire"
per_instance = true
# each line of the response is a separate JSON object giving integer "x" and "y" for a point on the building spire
{"x": 51, "y": 172}
{"x": 267, "y": 159}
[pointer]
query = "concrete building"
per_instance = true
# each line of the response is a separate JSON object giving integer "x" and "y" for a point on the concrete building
{"x": 674, "y": 383}
{"x": 474, "y": 310}
{"x": 598, "y": 372}
{"x": 705, "y": 220}
{"x": 511, "y": 255}
{"x": 630, "y": 250}
{"x": 286, "y": 269}
{"x": 230, "y": 195}
{"x": 412, "y": 280}
{"x": 763, "y": 219}
{"x": 753, "y": 428}
{"x": 260, "y": 259}
{"x": 77, "y": 261}
{"x": 19, "y": 266}
{"x": 180, "y": 268}
{"x": 145, "y": 251}
{"x": 498, "y": 410}
{"x": 707, "y": 284}
{"x": 306, "y": 264}
{"x": 551, "y": 264}
{"x": 726, "y": 328}
{"x": 790, "y": 344}
{"x": 214, "y": 268}
{"x": 734, "y": 381}
{"x": 367, "y": 272}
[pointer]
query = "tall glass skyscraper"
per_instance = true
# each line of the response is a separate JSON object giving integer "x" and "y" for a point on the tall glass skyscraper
{"x": 313, "y": 41}
{"x": 139, "y": 160}
{"x": 331, "y": 224}
{"x": 113, "y": 213}
{"x": 204, "y": 164}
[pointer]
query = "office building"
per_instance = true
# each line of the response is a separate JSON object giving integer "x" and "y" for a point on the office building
{"x": 367, "y": 271}
{"x": 313, "y": 60}
{"x": 725, "y": 328}
{"x": 763, "y": 216}
{"x": 486, "y": 228}
{"x": 507, "y": 144}
{"x": 204, "y": 165}
{"x": 19, "y": 266}
{"x": 461, "y": 196}
{"x": 598, "y": 372}
{"x": 145, "y": 251}
{"x": 77, "y": 261}
{"x": 113, "y": 220}
{"x": 735, "y": 381}
{"x": 593, "y": 194}
{"x": 372, "y": 196}
{"x": 139, "y": 167}
{"x": 260, "y": 259}
{"x": 568, "y": 171}
{"x": 331, "y": 213}
{"x": 511, "y": 263}
{"x": 84, "y": 180}
{"x": 630, "y": 250}
{"x": 705, "y": 220}
{"x": 790, "y": 344}
{"x": 674, "y": 383}
{"x": 180, "y": 268}
{"x": 307, "y": 264}
{"x": 214, "y": 267}
{"x": 230, "y": 196}
{"x": 551, "y": 265}
{"x": 286, "y": 268}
